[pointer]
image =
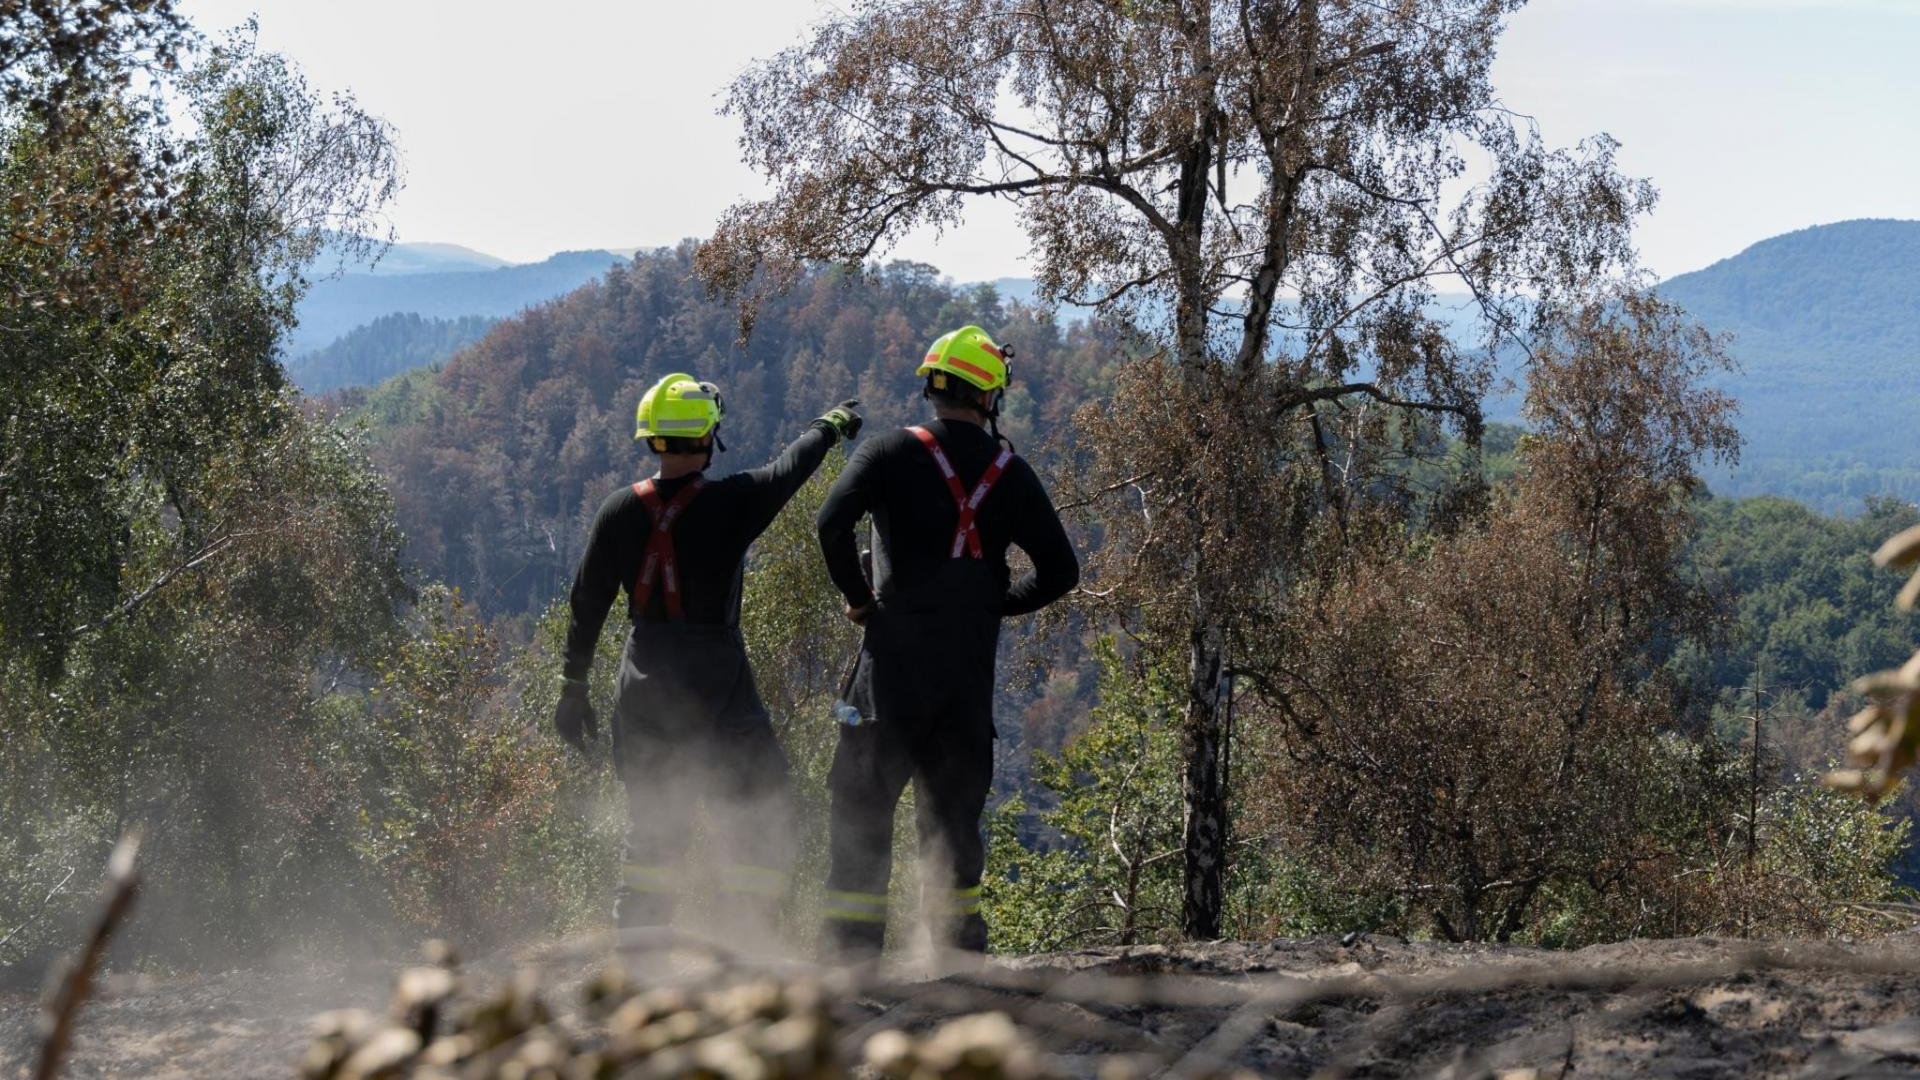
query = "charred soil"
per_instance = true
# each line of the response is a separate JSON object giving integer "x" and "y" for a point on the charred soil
{"x": 1365, "y": 1006}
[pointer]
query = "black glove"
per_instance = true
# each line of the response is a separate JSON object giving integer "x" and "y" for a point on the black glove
{"x": 842, "y": 420}
{"x": 574, "y": 718}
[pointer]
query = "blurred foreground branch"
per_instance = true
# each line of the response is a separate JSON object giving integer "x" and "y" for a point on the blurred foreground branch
{"x": 63, "y": 1007}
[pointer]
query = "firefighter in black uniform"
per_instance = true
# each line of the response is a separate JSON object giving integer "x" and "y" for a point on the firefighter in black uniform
{"x": 947, "y": 499}
{"x": 689, "y": 725}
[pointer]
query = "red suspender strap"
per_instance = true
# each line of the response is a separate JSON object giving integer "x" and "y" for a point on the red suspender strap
{"x": 966, "y": 537}
{"x": 972, "y": 506}
{"x": 659, "y": 564}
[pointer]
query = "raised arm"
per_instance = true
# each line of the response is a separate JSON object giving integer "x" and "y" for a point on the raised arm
{"x": 775, "y": 483}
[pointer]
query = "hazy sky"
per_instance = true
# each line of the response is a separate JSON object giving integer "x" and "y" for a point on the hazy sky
{"x": 534, "y": 128}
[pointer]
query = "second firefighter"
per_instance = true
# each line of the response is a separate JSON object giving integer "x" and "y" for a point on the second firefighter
{"x": 947, "y": 499}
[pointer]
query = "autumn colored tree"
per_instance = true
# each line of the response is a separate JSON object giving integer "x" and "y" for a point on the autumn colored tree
{"x": 1455, "y": 711}
{"x": 1270, "y": 192}
{"x": 58, "y": 59}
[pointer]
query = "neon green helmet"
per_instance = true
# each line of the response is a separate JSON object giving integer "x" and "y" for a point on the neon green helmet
{"x": 678, "y": 407}
{"x": 970, "y": 354}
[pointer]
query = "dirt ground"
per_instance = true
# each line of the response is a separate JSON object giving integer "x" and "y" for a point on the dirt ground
{"x": 1365, "y": 1007}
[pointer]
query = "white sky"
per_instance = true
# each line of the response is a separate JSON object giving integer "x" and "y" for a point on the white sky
{"x": 529, "y": 129}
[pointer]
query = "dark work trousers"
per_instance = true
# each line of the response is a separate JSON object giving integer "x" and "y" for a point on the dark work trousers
{"x": 690, "y": 730}
{"x": 931, "y": 691}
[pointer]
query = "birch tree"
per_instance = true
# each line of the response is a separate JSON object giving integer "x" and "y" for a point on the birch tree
{"x": 1272, "y": 192}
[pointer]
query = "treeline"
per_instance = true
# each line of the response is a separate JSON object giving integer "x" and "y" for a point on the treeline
{"x": 1837, "y": 482}
{"x": 384, "y": 348}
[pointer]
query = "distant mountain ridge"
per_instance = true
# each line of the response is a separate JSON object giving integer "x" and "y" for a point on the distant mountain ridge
{"x": 1853, "y": 281}
{"x": 337, "y": 305}
{"x": 412, "y": 257}
{"x": 1826, "y": 325}
{"x": 418, "y": 258}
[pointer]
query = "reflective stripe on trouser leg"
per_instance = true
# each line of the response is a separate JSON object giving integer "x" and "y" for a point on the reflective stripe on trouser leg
{"x": 870, "y": 768}
{"x": 968, "y": 930}
{"x": 855, "y": 925}
{"x": 744, "y": 880}
{"x": 649, "y": 878}
{"x": 856, "y": 907}
{"x": 647, "y": 894}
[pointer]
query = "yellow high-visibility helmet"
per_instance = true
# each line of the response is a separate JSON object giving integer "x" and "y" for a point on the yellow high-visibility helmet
{"x": 969, "y": 354}
{"x": 678, "y": 407}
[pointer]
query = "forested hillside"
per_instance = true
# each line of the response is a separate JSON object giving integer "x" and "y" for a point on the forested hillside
{"x": 1810, "y": 610}
{"x": 1824, "y": 328}
{"x": 385, "y": 347}
{"x": 1820, "y": 319}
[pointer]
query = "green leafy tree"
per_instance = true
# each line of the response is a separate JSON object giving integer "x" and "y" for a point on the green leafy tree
{"x": 189, "y": 558}
{"x": 195, "y": 712}
{"x": 1810, "y": 610}
{"x": 141, "y": 346}
{"x": 1111, "y": 874}
{"x": 1101, "y": 864}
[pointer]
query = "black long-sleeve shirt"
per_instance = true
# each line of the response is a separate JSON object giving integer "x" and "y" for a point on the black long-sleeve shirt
{"x": 710, "y": 541}
{"x": 894, "y": 478}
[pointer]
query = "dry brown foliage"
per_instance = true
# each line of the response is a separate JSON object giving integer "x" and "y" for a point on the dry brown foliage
{"x": 1465, "y": 718}
{"x": 1451, "y": 732}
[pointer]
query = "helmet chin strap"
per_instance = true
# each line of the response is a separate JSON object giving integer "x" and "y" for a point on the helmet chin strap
{"x": 991, "y": 406}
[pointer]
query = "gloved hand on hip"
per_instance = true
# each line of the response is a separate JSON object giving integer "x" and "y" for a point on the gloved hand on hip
{"x": 842, "y": 420}
{"x": 573, "y": 718}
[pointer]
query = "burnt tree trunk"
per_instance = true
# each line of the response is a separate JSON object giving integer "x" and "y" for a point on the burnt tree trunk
{"x": 1204, "y": 789}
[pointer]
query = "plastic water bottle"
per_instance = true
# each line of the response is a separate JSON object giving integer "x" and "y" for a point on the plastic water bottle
{"x": 847, "y": 714}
